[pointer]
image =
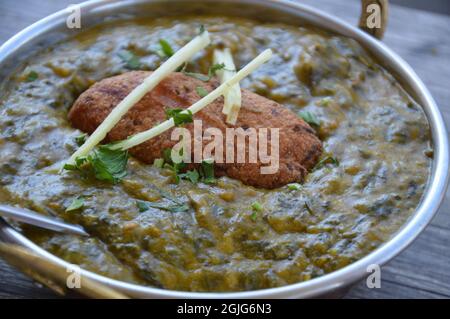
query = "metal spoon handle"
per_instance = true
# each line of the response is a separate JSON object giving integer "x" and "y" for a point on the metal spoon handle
{"x": 29, "y": 217}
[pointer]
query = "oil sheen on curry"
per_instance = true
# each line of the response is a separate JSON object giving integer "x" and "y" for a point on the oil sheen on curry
{"x": 370, "y": 145}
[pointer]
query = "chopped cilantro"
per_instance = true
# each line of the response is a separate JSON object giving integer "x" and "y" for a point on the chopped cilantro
{"x": 201, "y": 91}
{"x": 294, "y": 186}
{"x": 31, "y": 76}
{"x": 166, "y": 49}
{"x": 158, "y": 162}
{"x": 108, "y": 164}
{"x": 132, "y": 61}
{"x": 204, "y": 173}
{"x": 327, "y": 160}
{"x": 104, "y": 163}
{"x": 211, "y": 72}
{"x": 70, "y": 167}
{"x": 80, "y": 139}
{"x": 179, "y": 117}
{"x": 167, "y": 157}
{"x": 309, "y": 118}
{"x": 193, "y": 176}
{"x": 142, "y": 206}
{"x": 256, "y": 206}
{"x": 176, "y": 168}
{"x": 207, "y": 171}
{"x": 76, "y": 204}
{"x": 216, "y": 67}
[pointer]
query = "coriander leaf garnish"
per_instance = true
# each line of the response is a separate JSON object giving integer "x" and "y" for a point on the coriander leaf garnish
{"x": 76, "y": 204}
{"x": 80, "y": 139}
{"x": 81, "y": 164}
{"x": 144, "y": 206}
{"x": 80, "y": 161}
{"x": 31, "y": 76}
{"x": 158, "y": 162}
{"x": 105, "y": 163}
{"x": 179, "y": 117}
{"x": 201, "y": 91}
{"x": 193, "y": 176}
{"x": 131, "y": 60}
{"x": 256, "y": 206}
{"x": 294, "y": 186}
{"x": 167, "y": 156}
{"x": 70, "y": 167}
{"x": 176, "y": 168}
{"x": 166, "y": 49}
{"x": 207, "y": 171}
{"x": 310, "y": 118}
{"x": 204, "y": 173}
{"x": 326, "y": 160}
{"x": 214, "y": 68}
{"x": 108, "y": 164}
{"x": 211, "y": 72}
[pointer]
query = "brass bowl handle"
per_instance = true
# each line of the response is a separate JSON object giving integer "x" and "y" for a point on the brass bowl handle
{"x": 374, "y": 17}
{"x": 51, "y": 274}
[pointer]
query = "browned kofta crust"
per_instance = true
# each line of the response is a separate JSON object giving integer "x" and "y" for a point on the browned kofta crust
{"x": 299, "y": 147}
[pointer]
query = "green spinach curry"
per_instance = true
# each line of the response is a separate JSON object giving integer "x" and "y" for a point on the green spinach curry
{"x": 221, "y": 236}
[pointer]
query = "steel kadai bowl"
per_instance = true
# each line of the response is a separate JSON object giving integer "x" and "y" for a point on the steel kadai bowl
{"x": 53, "y": 29}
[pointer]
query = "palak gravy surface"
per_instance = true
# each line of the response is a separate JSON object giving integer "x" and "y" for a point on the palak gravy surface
{"x": 344, "y": 210}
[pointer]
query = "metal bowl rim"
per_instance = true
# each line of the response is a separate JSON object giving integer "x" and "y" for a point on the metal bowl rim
{"x": 432, "y": 197}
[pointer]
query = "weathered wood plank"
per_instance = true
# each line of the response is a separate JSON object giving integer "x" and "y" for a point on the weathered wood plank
{"x": 14, "y": 284}
{"x": 424, "y": 265}
{"x": 423, "y": 40}
{"x": 390, "y": 290}
{"x": 421, "y": 271}
{"x": 16, "y": 15}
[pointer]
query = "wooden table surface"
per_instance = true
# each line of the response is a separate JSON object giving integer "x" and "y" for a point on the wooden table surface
{"x": 423, "y": 40}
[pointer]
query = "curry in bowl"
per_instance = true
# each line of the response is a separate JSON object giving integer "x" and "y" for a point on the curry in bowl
{"x": 357, "y": 156}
